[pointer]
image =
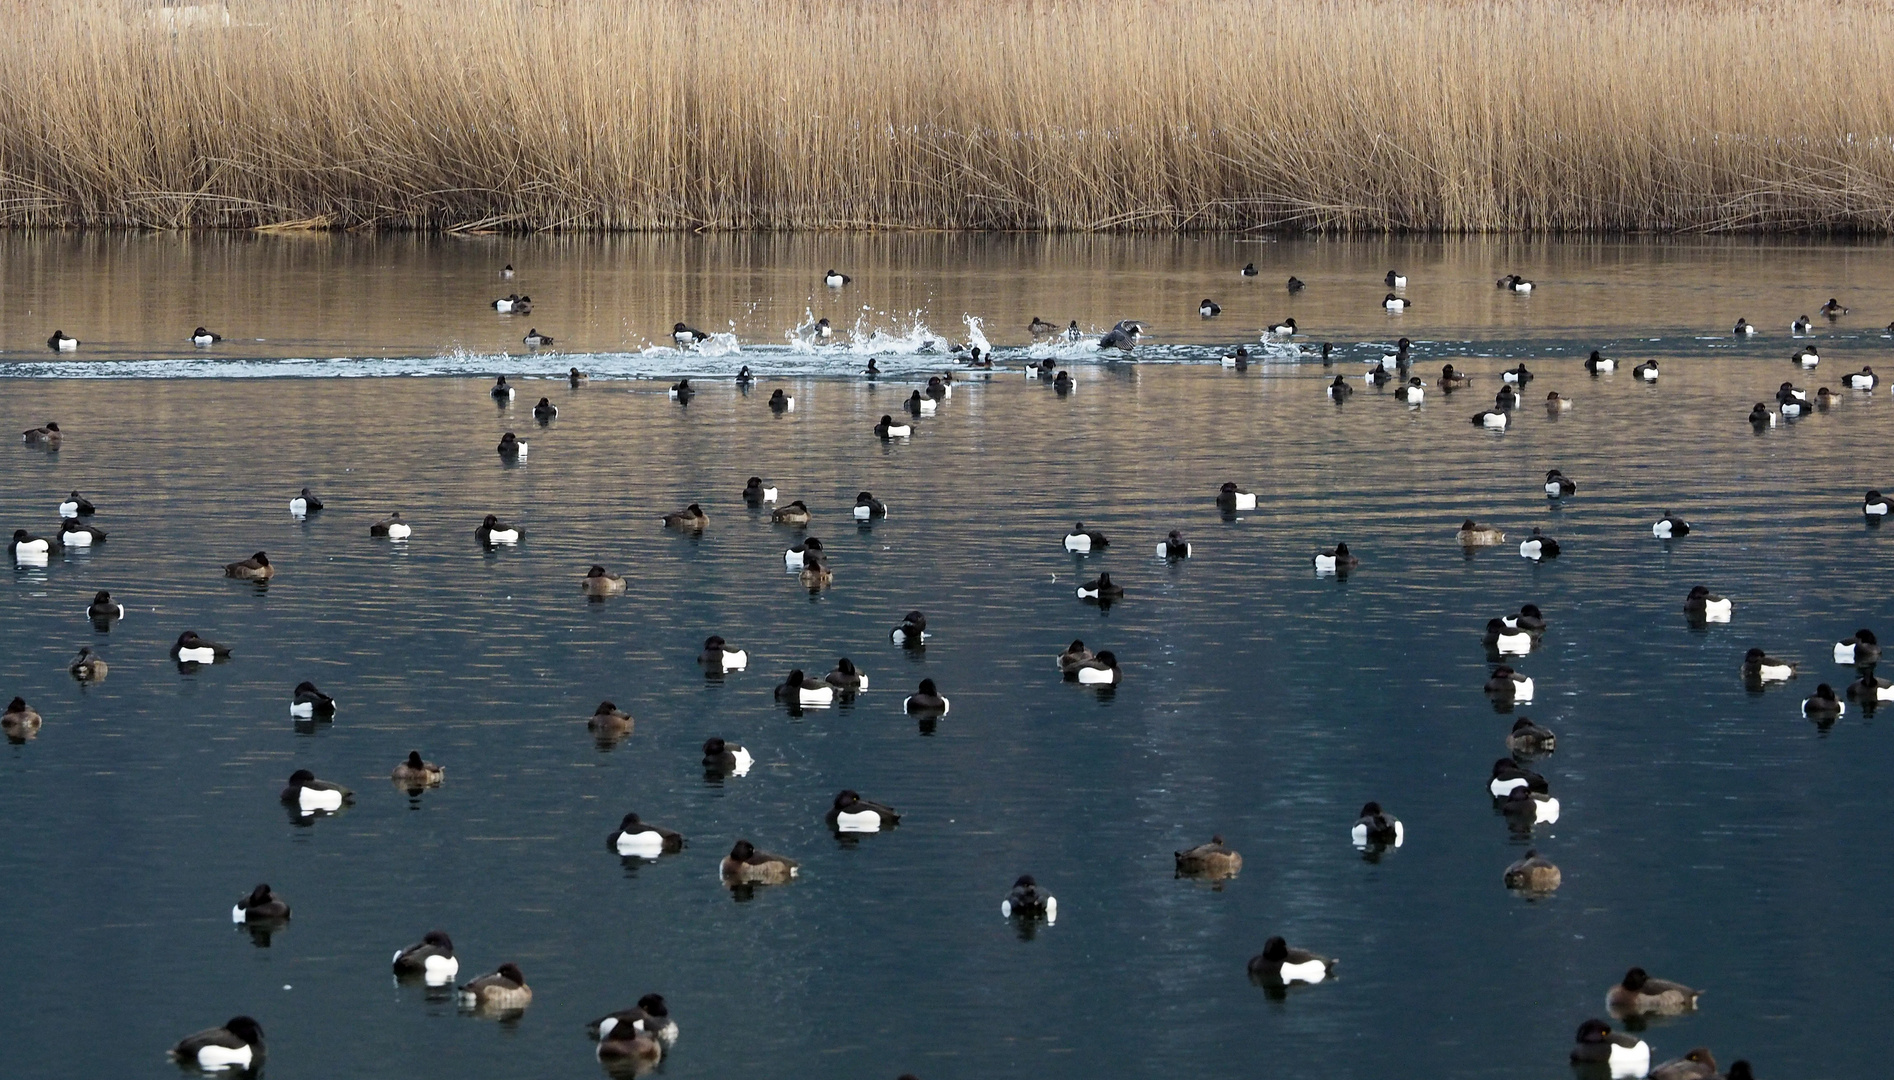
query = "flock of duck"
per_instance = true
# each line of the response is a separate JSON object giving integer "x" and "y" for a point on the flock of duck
{"x": 638, "y": 1037}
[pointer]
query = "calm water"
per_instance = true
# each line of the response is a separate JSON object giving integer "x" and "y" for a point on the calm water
{"x": 1709, "y": 834}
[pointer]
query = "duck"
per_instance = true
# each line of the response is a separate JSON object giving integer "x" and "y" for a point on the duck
{"x": 49, "y": 436}
{"x": 203, "y": 338}
{"x": 307, "y": 701}
{"x": 310, "y": 795}
{"x": 1761, "y": 667}
{"x": 681, "y": 391}
{"x": 255, "y": 568}
{"x": 815, "y": 573}
{"x": 608, "y": 721}
{"x": 1278, "y": 963}
{"x": 303, "y": 504}
{"x": 1823, "y": 704}
{"x": 1249, "y": 269}
{"x": 505, "y": 305}
{"x": 1209, "y": 309}
{"x": 1041, "y": 328}
{"x": 846, "y": 676}
{"x": 1698, "y": 1064}
{"x": 1833, "y": 309}
{"x": 1670, "y": 526}
{"x": 1861, "y": 650}
{"x": 1524, "y": 808}
{"x": 888, "y": 429}
{"x": 651, "y": 1015}
{"x": 545, "y": 412}
{"x": 1335, "y": 560}
{"x": 1874, "y": 504}
{"x": 925, "y": 699}
{"x": 1083, "y": 539}
{"x": 504, "y": 988}
{"x": 1625, "y": 1055}
{"x": 726, "y": 757}
{"x": 72, "y": 534}
{"x": 1598, "y": 363}
{"x": 937, "y": 388}
{"x": 1124, "y": 336}
{"x": 1508, "y": 685}
{"x": 600, "y": 582}
{"x": 1517, "y": 375}
{"x": 1396, "y": 303}
{"x": 916, "y": 405}
{"x": 1285, "y": 328}
{"x": 1100, "y": 670}
{"x": 1413, "y": 393}
{"x": 745, "y": 380}
{"x": 60, "y": 342}
{"x": 432, "y": 958}
{"x": 87, "y": 666}
{"x": 1296, "y": 284}
{"x": 1377, "y": 828}
{"x": 834, "y": 280}
{"x": 1803, "y": 325}
{"x": 793, "y": 558}
{"x": 1506, "y": 642}
{"x": 688, "y": 335}
{"x": 851, "y": 813}
{"x": 1072, "y": 332}
{"x": 1509, "y": 776}
{"x": 1231, "y": 499}
{"x": 634, "y": 837}
{"x": 1646, "y": 371}
{"x": 794, "y": 513}
{"x": 1075, "y": 655}
{"x": 867, "y": 506}
{"x": 1760, "y": 417}
{"x": 756, "y": 492}
{"x": 1451, "y": 379}
{"x": 1870, "y": 689}
{"x": 259, "y": 904}
{"x": 1209, "y": 860}
{"x": 747, "y": 866}
{"x": 511, "y": 447}
{"x": 1339, "y": 390}
{"x": 236, "y": 1045}
{"x": 780, "y": 402}
{"x": 191, "y": 649}
{"x": 413, "y": 772}
{"x": 1558, "y": 485}
{"x": 103, "y": 608}
{"x": 1792, "y": 401}
{"x": 391, "y": 527}
{"x": 911, "y": 631}
{"x": 576, "y": 378}
{"x": 1701, "y": 603}
{"x": 1395, "y": 280}
{"x": 1100, "y": 588}
{"x": 799, "y": 689}
{"x": 20, "y": 719}
{"x": 1743, "y": 328}
{"x": 1491, "y": 418}
{"x": 1539, "y": 546}
{"x": 1397, "y": 360}
{"x": 719, "y": 656}
{"x": 494, "y": 531}
{"x": 502, "y": 390}
{"x": 26, "y": 544}
{"x": 627, "y": 1048}
{"x": 534, "y": 339}
{"x": 1554, "y": 404}
{"x": 1530, "y": 739}
{"x": 1174, "y": 546}
{"x": 1806, "y": 356}
{"x": 1865, "y": 379}
{"x": 1533, "y": 873}
{"x": 1028, "y": 901}
{"x": 1473, "y": 534}
{"x": 1062, "y": 384}
{"x": 691, "y": 517}
{"x": 1238, "y": 359}
{"x": 506, "y": 271}
{"x": 1506, "y": 400}
{"x": 76, "y": 505}
{"x": 1638, "y": 993}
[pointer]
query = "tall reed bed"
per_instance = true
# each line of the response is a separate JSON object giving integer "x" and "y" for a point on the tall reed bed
{"x": 1455, "y": 115}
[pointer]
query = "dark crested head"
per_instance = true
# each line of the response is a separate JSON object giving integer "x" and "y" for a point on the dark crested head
{"x": 864, "y": 498}
{"x": 713, "y": 746}
{"x": 1635, "y": 979}
{"x": 1370, "y": 809}
{"x": 1532, "y": 610}
{"x": 1739, "y": 1070}
{"x": 1532, "y": 853}
{"x": 1523, "y": 723}
{"x": 307, "y": 687}
{"x": 679, "y": 328}
{"x": 102, "y": 597}
{"x": 1698, "y": 592}
{"x": 1175, "y": 536}
{"x": 414, "y": 760}
{"x": 595, "y": 571}
{"x": 1503, "y": 672}
{"x": 1468, "y": 525}
{"x": 653, "y": 1005}
{"x": 1076, "y": 645}
{"x": 261, "y": 559}
{"x": 1873, "y": 493}
{"x": 915, "y": 396}
{"x": 713, "y": 643}
{"x": 512, "y": 973}
{"x": 1104, "y": 580}
{"x": 1108, "y": 658}
{"x": 755, "y": 482}
{"x": 1505, "y": 765}
{"x": 1229, "y": 487}
{"x": 1025, "y": 881}
{"x": 1593, "y": 1031}
{"x": 301, "y": 778}
{"x": 845, "y": 666}
{"x": 439, "y": 940}
{"x": 187, "y": 638}
{"x": 1275, "y": 949}
{"x": 886, "y": 419}
{"x": 694, "y": 510}
{"x": 258, "y": 895}
{"x": 1865, "y": 637}
{"x": 846, "y": 797}
{"x": 629, "y": 823}
{"x": 795, "y": 677}
{"x": 742, "y": 849}
{"x": 18, "y": 704}
{"x": 914, "y": 617}
{"x": 501, "y": 381}
{"x": 776, "y": 395}
{"x": 246, "y": 1029}
{"x": 1341, "y": 549}
{"x": 1825, "y": 692}
{"x": 1754, "y": 656}
{"x": 490, "y": 521}
{"x": 604, "y": 707}
{"x": 543, "y": 402}
{"x": 928, "y": 687}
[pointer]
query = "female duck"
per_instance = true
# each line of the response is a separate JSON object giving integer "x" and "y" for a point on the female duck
{"x": 255, "y": 568}
{"x": 853, "y": 814}
{"x": 494, "y": 531}
{"x": 609, "y": 722}
{"x": 815, "y": 573}
{"x": 747, "y": 866}
{"x": 1174, "y": 546}
{"x": 599, "y": 582}
{"x": 1555, "y": 404}
{"x": 1638, "y": 994}
{"x": 1528, "y": 739}
{"x": 1453, "y": 380}
{"x": 1100, "y": 670}
{"x": 416, "y": 773}
{"x": 1861, "y": 650}
{"x": 1705, "y": 606}
{"x": 1539, "y": 546}
{"x": 718, "y": 656}
{"x": 628, "y": 1048}
{"x": 1212, "y": 860}
{"x": 1100, "y": 588}
{"x": 87, "y": 666}
{"x": 1558, "y": 485}
{"x": 926, "y": 699}
{"x": 1377, "y": 828}
{"x": 867, "y": 506}
{"x": 888, "y": 429}
{"x": 308, "y": 701}
{"x": 1533, "y": 873}
{"x": 1759, "y": 666}
{"x": 1335, "y": 560}
{"x": 799, "y": 689}
{"x": 391, "y": 527}
{"x": 503, "y": 989}
{"x": 511, "y": 447}
{"x": 643, "y": 839}
{"x": 20, "y": 720}
{"x": 1473, "y": 534}
{"x": 310, "y": 795}
{"x": 1670, "y": 526}
{"x": 691, "y": 518}
{"x": 432, "y": 958}
{"x": 1278, "y": 963}
{"x": 796, "y": 513}
{"x": 1083, "y": 539}
{"x": 1074, "y": 656}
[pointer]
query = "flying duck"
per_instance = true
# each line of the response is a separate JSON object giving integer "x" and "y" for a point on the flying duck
{"x": 1278, "y": 963}
{"x": 432, "y": 958}
{"x": 309, "y": 795}
{"x": 853, "y": 814}
{"x": 643, "y": 839}
{"x": 747, "y": 866}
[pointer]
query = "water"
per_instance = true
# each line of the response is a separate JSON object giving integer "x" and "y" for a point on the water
{"x": 1708, "y": 834}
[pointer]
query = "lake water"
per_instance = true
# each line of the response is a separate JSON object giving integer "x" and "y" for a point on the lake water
{"x": 1708, "y": 833}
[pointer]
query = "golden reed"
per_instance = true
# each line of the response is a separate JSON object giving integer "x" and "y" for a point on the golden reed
{"x": 1344, "y": 115}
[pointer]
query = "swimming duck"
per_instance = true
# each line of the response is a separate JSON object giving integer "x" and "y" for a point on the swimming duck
{"x": 1646, "y": 371}
{"x": 1491, "y": 418}
{"x": 780, "y": 402}
{"x": 1100, "y": 588}
{"x": 203, "y": 338}
{"x": 1556, "y": 404}
{"x": 745, "y": 380}
{"x": 1760, "y": 417}
{"x": 755, "y": 492}
{"x": 1100, "y": 670}
{"x": 1803, "y": 325}
{"x": 1396, "y": 303}
{"x": 691, "y": 517}
{"x": 1865, "y": 379}
{"x": 1759, "y": 666}
{"x": 1833, "y": 309}
{"x": 1529, "y": 618}
{"x": 1826, "y": 398}
{"x": 795, "y": 513}
{"x": 1042, "y": 328}
{"x": 1518, "y": 375}
{"x": 815, "y": 573}
{"x": 1524, "y": 808}
{"x": 628, "y": 1050}
{"x": 1625, "y": 1055}
{"x": 191, "y": 649}
{"x": 1278, "y": 963}
{"x": 259, "y": 904}
{"x": 1558, "y": 485}
{"x": 1296, "y": 284}
{"x": 888, "y": 429}
{"x": 867, "y": 506}
{"x": 87, "y": 666}
{"x": 26, "y": 544}
{"x": 1339, "y": 389}
{"x": 1239, "y": 359}
{"x": 391, "y": 527}
{"x": 1453, "y": 380}
{"x": 432, "y": 958}
{"x": 575, "y": 377}
{"x": 503, "y": 989}
{"x": 1743, "y": 328}
{"x": 834, "y": 280}
{"x": 1028, "y": 901}
{"x": 74, "y": 535}
{"x": 1874, "y": 504}
{"x": 1473, "y": 534}
{"x": 1327, "y": 347}
{"x": 608, "y": 721}
{"x": 598, "y": 582}
{"x": 416, "y": 773}
{"x": 1209, "y": 309}
{"x": 846, "y": 676}
{"x": 1506, "y": 642}
{"x": 925, "y": 699}
{"x": 1285, "y": 328}
{"x": 59, "y": 342}
{"x": 511, "y": 447}
{"x": 1698, "y": 1064}
{"x": 1506, "y": 400}
{"x": 1508, "y": 685}
{"x": 1377, "y": 828}
{"x": 793, "y": 558}
{"x": 494, "y": 531}
{"x": 1230, "y": 499}
{"x": 1706, "y": 606}
{"x": 1395, "y": 281}
{"x": 1670, "y": 526}
{"x": 1249, "y": 269}
{"x": 502, "y": 391}
{"x": 1062, "y": 384}
{"x": 20, "y": 720}
{"x": 718, "y": 656}
{"x": 1413, "y": 393}
{"x": 506, "y": 271}
{"x": 853, "y": 814}
{"x": 1870, "y": 689}
{"x": 799, "y": 689}
{"x": 1860, "y": 650}
{"x": 1335, "y": 560}
{"x": 1529, "y": 739}
{"x": 545, "y": 412}
{"x": 1639, "y": 993}
{"x": 1807, "y": 356}
{"x": 1509, "y": 776}
{"x": 747, "y": 866}
{"x": 1533, "y": 873}
{"x": 687, "y": 335}
{"x": 726, "y": 757}
{"x": 681, "y": 391}
{"x": 103, "y": 608}
{"x": 1072, "y": 331}
{"x": 643, "y": 839}
{"x": 1174, "y": 546}
{"x": 255, "y": 568}
{"x": 306, "y": 701}
{"x": 49, "y": 437}
{"x": 651, "y": 1016}
{"x": 1516, "y": 284}
{"x": 1209, "y": 860}
{"x": 1823, "y": 705}
{"x": 912, "y": 631}
{"x": 304, "y": 503}
{"x": 1396, "y": 360}
{"x": 1083, "y": 539}
{"x": 1597, "y": 364}
{"x": 505, "y": 305}
{"x": 534, "y": 339}
{"x": 310, "y": 795}
{"x": 1074, "y": 655}
{"x": 238, "y": 1044}
{"x": 1539, "y": 546}
{"x": 77, "y": 505}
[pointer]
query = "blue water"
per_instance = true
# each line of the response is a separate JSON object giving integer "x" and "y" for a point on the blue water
{"x": 1709, "y": 834}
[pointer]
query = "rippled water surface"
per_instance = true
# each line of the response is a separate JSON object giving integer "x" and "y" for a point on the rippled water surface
{"x": 1709, "y": 834}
